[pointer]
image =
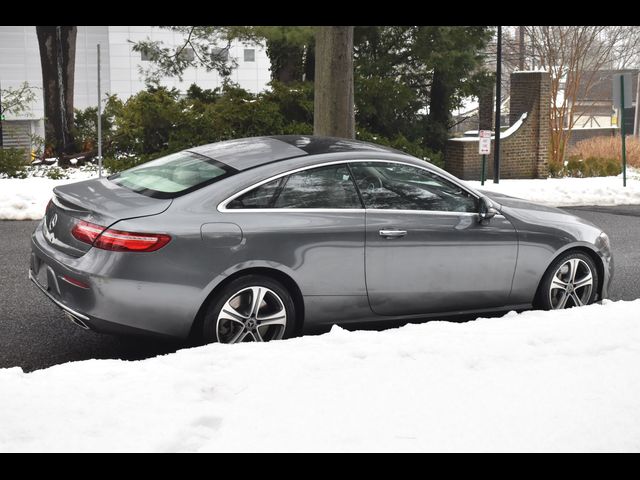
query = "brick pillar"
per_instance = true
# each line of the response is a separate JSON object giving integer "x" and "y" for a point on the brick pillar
{"x": 525, "y": 150}
{"x": 531, "y": 93}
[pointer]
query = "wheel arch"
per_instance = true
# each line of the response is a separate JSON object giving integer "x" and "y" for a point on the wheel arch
{"x": 278, "y": 275}
{"x": 580, "y": 248}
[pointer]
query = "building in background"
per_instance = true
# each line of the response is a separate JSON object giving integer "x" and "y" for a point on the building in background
{"x": 120, "y": 70}
{"x": 594, "y": 113}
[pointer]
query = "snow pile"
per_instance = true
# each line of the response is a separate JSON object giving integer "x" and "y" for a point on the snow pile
{"x": 26, "y": 199}
{"x": 536, "y": 381}
{"x": 565, "y": 192}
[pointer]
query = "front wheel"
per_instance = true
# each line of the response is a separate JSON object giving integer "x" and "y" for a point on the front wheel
{"x": 254, "y": 308}
{"x": 570, "y": 281}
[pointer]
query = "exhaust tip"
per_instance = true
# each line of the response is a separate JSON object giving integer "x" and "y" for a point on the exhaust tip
{"x": 77, "y": 321}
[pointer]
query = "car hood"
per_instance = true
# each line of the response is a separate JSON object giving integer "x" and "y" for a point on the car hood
{"x": 534, "y": 212}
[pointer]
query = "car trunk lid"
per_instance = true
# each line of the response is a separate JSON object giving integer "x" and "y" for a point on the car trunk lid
{"x": 97, "y": 201}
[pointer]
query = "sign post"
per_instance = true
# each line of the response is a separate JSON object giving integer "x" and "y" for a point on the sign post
{"x": 622, "y": 97}
{"x": 484, "y": 149}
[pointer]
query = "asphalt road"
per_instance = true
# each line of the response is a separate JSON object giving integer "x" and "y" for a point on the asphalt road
{"x": 35, "y": 334}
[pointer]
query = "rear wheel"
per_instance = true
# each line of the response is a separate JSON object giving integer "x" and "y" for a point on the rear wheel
{"x": 254, "y": 308}
{"x": 570, "y": 281}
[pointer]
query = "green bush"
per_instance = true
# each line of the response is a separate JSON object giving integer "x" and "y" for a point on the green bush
{"x": 404, "y": 145}
{"x": 13, "y": 162}
{"x": 159, "y": 121}
{"x": 556, "y": 169}
{"x": 56, "y": 173}
{"x": 115, "y": 165}
{"x": 592, "y": 167}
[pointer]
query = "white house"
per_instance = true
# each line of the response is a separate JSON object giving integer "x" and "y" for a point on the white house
{"x": 120, "y": 69}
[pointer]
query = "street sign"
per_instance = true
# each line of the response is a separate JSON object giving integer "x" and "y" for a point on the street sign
{"x": 628, "y": 99}
{"x": 484, "y": 146}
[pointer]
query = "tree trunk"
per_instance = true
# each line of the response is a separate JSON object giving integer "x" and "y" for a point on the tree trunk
{"x": 333, "y": 97}
{"x": 439, "y": 114}
{"x": 58, "y": 58}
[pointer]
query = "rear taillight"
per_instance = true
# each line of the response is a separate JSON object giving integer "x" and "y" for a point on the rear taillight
{"x": 118, "y": 240}
{"x": 86, "y": 232}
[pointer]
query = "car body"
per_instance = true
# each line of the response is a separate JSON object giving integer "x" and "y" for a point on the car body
{"x": 342, "y": 257}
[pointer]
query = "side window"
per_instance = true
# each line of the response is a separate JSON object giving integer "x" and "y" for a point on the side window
{"x": 260, "y": 197}
{"x": 323, "y": 187}
{"x": 394, "y": 186}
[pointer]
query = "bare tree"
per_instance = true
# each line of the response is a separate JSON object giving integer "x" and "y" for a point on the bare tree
{"x": 17, "y": 100}
{"x": 573, "y": 55}
{"x": 333, "y": 102}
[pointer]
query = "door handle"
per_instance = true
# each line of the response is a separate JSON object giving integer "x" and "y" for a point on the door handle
{"x": 392, "y": 233}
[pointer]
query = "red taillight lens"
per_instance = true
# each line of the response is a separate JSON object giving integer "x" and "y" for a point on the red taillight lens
{"x": 86, "y": 232}
{"x": 131, "y": 242}
{"x": 118, "y": 240}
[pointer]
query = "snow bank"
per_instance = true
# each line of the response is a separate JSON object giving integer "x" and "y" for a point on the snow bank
{"x": 26, "y": 199}
{"x": 537, "y": 381}
{"x": 565, "y": 192}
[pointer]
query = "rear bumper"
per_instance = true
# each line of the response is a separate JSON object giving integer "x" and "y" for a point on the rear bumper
{"x": 76, "y": 317}
{"x": 114, "y": 302}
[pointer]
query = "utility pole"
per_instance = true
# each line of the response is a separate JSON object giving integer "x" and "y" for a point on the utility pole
{"x": 496, "y": 143}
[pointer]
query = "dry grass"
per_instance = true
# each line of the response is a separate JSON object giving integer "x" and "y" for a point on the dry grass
{"x": 607, "y": 147}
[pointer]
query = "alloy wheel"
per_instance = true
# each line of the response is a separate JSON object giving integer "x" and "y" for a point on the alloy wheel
{"x": 571, "y": 284}
{"x": 255, "y": 313}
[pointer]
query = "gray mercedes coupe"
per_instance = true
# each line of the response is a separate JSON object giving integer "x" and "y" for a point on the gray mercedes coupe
{"x": 258, "y": 238}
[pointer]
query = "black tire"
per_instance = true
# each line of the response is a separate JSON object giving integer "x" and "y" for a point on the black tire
{"x": 546, "y": 299}
{"x": 210, "y": 325}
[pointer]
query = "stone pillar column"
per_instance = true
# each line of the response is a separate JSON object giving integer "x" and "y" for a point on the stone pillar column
{"x": 531, "y": 93}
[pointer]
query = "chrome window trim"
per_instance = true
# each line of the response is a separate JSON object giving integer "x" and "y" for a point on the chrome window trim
{"x": 429, "y": 212}
{"x": 222, "y": 206}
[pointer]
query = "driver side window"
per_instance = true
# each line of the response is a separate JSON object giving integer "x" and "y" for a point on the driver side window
{"x": 395, "y": 186}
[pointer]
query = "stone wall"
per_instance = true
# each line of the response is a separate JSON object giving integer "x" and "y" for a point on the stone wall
{"x": 524, "y": 146}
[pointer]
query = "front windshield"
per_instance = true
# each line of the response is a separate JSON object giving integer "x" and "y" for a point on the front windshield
{"x": 173, "y": 175}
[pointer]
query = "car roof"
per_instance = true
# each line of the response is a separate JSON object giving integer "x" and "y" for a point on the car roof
{"x": 246, "y": 153}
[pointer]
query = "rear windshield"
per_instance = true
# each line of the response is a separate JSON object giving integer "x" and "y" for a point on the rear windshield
{"x": 173, "y": 175}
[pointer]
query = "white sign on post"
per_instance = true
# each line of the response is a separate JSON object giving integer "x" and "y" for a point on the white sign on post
{"x": 484, "y": 146}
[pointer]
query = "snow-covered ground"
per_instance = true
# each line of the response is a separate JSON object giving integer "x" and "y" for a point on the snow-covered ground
{"x": 565, "y": 192}
{"x": 536, "y": 381}
{"x": 26, "y": 199}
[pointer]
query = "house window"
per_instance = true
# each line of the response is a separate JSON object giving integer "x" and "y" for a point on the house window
{"x": 249, "y": 55}
{"x": 187, "y": 54}
{"x": 219, "y": 54}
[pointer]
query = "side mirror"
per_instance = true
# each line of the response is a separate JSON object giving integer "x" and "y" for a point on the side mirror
{"x": 486, "y": 210}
